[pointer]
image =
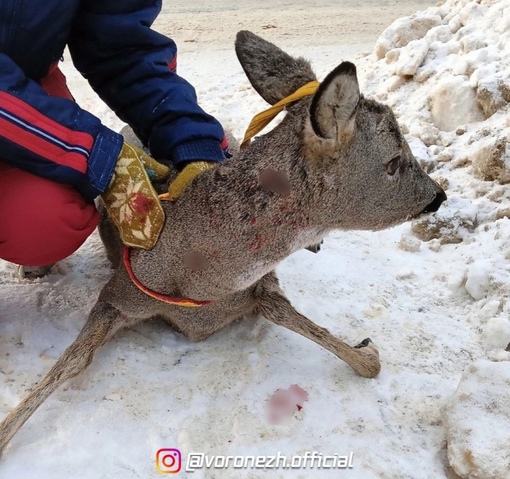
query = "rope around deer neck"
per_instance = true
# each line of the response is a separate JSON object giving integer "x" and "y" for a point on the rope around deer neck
{"x": 258, "y": 123}
{"x": 263, "y": 119}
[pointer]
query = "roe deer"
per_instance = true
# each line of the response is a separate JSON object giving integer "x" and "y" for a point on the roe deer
{"x": 337, "y": 161}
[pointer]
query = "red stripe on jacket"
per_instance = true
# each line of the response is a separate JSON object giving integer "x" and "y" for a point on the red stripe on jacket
{"x": 38, "y": 145}
{"x": 42, "y": 147}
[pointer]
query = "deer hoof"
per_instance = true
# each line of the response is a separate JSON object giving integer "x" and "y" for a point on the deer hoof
{"x": 365, "y": 343}
{"x": 368, "y": 364}
{"x": 315, "y": 248}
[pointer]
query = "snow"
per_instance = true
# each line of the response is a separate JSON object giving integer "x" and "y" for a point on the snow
{"x": 481, "y": 398}
{"x": 433, "y": 295}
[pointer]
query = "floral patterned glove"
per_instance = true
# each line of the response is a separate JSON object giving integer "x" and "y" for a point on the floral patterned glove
{"x": 131, "y": 200}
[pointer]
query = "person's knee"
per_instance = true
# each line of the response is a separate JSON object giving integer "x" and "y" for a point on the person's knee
{"x": 41, "y": 222}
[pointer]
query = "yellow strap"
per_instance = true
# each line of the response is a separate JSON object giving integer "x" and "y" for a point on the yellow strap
{"x": 264, "y": 118}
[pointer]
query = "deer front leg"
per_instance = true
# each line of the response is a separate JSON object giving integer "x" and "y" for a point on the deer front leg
{"x": 103, "y": 321}
{"x": 272, "y": 304}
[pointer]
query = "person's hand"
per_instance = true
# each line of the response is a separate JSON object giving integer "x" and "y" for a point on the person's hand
{"x": 130, "y": 199}
{"x": 155, "y": 170}
{"x": 186, "y": 176}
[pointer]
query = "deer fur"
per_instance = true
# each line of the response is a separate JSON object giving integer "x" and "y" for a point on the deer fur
{"x": 337, "y": 161}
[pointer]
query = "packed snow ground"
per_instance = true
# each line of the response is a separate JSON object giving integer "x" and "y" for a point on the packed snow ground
{"x": 433, "y": 296}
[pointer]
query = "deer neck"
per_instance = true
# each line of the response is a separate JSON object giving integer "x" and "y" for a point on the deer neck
{"x": 269, "y": 186}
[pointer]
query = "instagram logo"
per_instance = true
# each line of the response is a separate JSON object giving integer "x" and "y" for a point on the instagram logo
{"x": 168, "y": 461}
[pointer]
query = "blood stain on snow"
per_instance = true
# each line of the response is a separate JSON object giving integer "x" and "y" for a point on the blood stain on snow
{"x": 284, "y": 403}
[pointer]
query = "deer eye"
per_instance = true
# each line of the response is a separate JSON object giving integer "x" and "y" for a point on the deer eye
{"x": 393, "y": 165}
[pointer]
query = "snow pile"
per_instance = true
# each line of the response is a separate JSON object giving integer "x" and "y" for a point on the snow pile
{"x": 459, "y": 52}
{"x": 446, "y": 74}
{"x": 481, "y": 398}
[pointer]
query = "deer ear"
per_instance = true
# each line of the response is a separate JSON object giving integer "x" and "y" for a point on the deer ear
{"x": 273, "y": 73}
{"x": 335, "y": 103}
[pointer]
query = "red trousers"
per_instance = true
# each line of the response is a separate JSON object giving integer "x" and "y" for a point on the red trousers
{"x": 42, "y": 222}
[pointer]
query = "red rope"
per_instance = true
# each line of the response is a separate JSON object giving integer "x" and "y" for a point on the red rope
{"x": 186, "y": 302}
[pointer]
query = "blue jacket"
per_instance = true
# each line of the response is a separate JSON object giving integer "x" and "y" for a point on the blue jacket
{"x": 126, "y": 63}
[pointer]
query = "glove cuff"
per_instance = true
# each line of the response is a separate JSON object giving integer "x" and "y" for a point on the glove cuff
{"x": 202, "y": 150}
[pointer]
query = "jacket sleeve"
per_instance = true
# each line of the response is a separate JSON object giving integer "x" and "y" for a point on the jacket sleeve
{"x": 129, "y": 65}
{"x": 53, "y": 137}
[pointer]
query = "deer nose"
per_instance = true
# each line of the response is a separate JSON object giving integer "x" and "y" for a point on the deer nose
{"x": 436, "y": 202}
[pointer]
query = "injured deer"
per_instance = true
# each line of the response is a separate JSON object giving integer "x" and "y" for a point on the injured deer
{"x": 337, "y": 161}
